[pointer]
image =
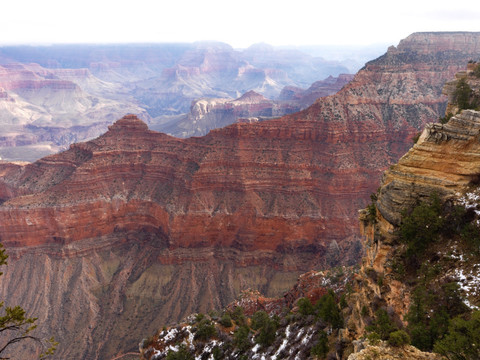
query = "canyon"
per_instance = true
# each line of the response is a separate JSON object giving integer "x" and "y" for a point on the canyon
{"x": 116, "y": 230}
{"x": 52, "y": 96}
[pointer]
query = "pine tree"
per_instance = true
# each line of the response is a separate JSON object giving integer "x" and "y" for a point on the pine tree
{"x": 15, "y": 326}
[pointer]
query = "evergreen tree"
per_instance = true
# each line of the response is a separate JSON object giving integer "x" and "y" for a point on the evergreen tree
{"x": 329, "y": 311}
{"x": 382, "y": 325}
{"x": 462, "y": 94}
{"x": 423, "y": 225}
{"x": 241, "y": 338}
{"x": 181, "y": 354}
{"x": 16, "y": 327}
{"x": 463, "y": 339}
{"x": 305, "y": 307}
{"x": 320, "y": 349}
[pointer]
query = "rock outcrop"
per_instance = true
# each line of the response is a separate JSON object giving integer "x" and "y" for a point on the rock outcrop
{"x": 383, "y": 352}
{"x": 444, "y": 159}
{"x": 444, "y": 163}
{"x": 207, "y": 114}
{"x": 318, "y": 89}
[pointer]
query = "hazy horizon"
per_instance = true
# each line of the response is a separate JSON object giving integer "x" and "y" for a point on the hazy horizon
{"x": 347, "y": 23}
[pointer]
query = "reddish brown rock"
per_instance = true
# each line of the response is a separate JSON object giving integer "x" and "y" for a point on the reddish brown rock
{"x": 318, "y": 89}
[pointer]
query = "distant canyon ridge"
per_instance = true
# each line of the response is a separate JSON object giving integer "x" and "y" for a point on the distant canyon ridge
{"x": 134, "y": 229}
{"x": 52, "y": 96}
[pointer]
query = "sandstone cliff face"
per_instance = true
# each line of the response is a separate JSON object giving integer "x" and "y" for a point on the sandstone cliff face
{"x": 138, "y": 219}
{"x": 445, "y": 162}
{"x": 194, "y": 191}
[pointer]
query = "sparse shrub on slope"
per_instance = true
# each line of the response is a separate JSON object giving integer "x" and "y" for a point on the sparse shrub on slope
{"x": 241, "y": 338}
{"x": 463, "y": 95}
{"x": 16, "y": 326}
{"x": 382, "y": 324}
{"x": 398, "y": 338}
{"x": 463, "y": 339}
{"x": 422, "y": 225}
{"x": 181, "y": 354}
{"x": 329, "y": 311}
{"x": 205, "y": 330}
{"x": 225, "y": 320}
{"x": 476, "y": 71}
{"x": 321, "y": 347}
{"x": 238, "y": 316}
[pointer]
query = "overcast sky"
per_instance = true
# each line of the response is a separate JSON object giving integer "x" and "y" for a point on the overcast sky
{"x": 239, "y": 23}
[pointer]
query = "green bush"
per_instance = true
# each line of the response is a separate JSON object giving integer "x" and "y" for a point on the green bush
{"x": 305, "y": 307}
{"x": 398, "y": 338}
{"x": 422, "y": 225}
{"x": 382, "y": 325}
{"x": 241, "y": 338}
{"x": 266, "y": 334}
{"x": 181, "y": 354}
{"x": 225, "y": 320}
{"x": 372, "y": 209}
{"x": 238, "y": 316}
{"x": 462, "y": 95}
{"x": 266, "y": 326}
{"x": 205, "y": 330}
{"x": 259, "y": 320}
{"x": 328, "y": 310}
{"x": 320, "y": 348}
{"x": 471, "y": 234}
{"x": 463, "y": 339}
{"x": 430, "y": 311}
{"x": 417, "y": 136}
{"x": 446, "y": 118}
{"x": 452, "y": 300}
{"x": 373, "y": 338}
{"x": 476, "y": 71}
{"x": 217, "y": 353}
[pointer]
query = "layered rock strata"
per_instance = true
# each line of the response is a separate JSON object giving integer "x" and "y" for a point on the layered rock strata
{"x": 445, "y": 161}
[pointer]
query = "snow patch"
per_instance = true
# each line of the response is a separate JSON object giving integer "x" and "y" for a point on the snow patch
{"x": 469, "y": 283}
{"x": 170, "y": 334}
